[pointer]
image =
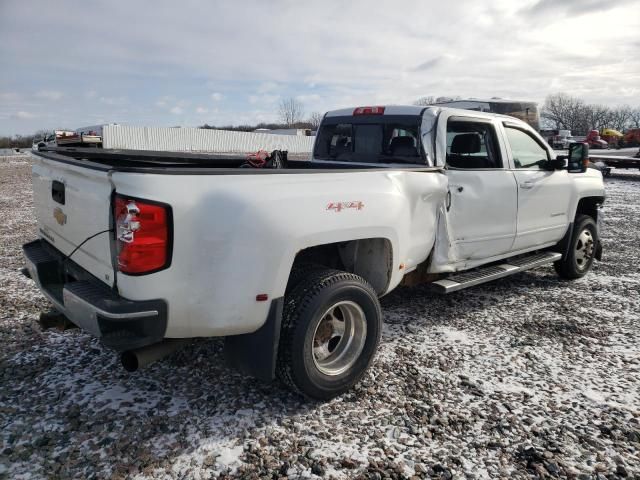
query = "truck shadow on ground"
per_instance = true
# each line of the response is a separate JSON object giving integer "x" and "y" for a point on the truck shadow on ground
{"x": 536, "y": 301}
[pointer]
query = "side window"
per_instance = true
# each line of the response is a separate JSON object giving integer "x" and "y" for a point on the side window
{"x": 472, "y": 145}
{"x": 526, "y": 151}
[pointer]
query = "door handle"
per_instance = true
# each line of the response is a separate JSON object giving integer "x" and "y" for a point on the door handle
{"x": 526, "y": 185}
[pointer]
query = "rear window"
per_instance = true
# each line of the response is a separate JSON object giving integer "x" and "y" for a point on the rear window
{"x": 370, "y": 139}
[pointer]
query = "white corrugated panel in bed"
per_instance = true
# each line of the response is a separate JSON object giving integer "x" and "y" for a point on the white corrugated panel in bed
{"x": 200, "y": 140}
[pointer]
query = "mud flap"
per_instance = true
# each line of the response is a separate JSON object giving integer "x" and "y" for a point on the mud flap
{"x": 563, "y": 245}
{"x": 598, "y": 254}
{"x": 256, "y": 353}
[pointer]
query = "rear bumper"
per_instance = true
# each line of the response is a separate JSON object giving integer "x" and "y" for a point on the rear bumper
{"x": 119, "y": 323}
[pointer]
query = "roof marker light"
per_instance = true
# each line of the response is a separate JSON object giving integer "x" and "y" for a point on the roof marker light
{"x": 369, "y": 111}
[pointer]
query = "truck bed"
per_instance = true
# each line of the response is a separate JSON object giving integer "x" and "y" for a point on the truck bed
{"x": 146, "y": 161}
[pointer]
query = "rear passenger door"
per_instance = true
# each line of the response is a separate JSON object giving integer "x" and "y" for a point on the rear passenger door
{"x": 543, "y": 195}
{"x": 482, "y": 203}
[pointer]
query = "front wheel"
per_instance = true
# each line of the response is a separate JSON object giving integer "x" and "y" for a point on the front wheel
{"x": 578, "y": 259}
{"x": 330, "y": 332}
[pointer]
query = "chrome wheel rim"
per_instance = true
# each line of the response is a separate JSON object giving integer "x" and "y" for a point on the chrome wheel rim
{"x": 584, "y": 249}
{"x": 339, "y": 338}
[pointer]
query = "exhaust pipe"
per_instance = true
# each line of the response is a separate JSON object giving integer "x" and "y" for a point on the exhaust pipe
{"x": 133, "y": 360}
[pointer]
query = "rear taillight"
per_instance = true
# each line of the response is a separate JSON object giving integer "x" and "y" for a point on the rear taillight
{"x": 369, "y": 111}
{"x": 143, "y": 234}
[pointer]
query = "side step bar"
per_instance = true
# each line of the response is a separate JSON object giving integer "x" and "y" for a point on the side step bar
{"x": 486, "y": 274}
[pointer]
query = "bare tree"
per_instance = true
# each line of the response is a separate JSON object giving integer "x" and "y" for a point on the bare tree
{"x": 554, "y": 110}
{"x": 290, "y": 111}
{"x": 596, "y": 116}
{"x": 634, "y": 118}
{"x": 424, "y": 101}
{"x": 566, "y": 112}
{"x": 620, "y": 117}
{"x": 314, "y": 119}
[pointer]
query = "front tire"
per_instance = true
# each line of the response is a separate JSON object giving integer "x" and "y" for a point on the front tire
{"x": 579, "y": 257}
{"x": 331, "y": 327}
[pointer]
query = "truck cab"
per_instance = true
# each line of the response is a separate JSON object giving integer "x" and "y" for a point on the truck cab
{"x": 594, "y": 140}
{"x": 507, "y": 191}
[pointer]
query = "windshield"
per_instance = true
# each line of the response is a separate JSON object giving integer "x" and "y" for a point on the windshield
{"x": 370, "y": 139}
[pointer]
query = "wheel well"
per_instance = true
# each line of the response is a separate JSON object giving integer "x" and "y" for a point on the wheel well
{"x": 589, "y": 206}
{"x": 370, "y": 258}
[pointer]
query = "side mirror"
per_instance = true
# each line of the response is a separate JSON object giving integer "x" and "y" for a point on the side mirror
{"x": 578, "y": 157}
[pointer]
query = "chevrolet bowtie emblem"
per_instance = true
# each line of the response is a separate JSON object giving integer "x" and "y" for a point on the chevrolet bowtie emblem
{"x": 59, "y": 215}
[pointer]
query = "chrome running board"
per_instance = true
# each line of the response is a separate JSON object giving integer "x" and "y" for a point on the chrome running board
{"x": 480, "y": 275}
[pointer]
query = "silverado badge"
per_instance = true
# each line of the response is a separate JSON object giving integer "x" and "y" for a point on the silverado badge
{"x": 59, "y": 215}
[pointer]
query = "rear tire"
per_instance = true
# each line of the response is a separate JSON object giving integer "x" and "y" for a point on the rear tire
{"x": 579, "y": 256}
{"x": 300, "y": 272}
{"x": 331, "y": 327}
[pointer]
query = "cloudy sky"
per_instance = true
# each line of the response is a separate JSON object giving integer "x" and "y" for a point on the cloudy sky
{"x": 71, "y": 64}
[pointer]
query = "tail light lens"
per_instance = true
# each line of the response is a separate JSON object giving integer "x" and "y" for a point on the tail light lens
{"x": 143, "y": 235}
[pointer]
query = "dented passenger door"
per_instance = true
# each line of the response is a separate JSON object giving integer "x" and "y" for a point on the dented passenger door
{"x": 482, "y": 203}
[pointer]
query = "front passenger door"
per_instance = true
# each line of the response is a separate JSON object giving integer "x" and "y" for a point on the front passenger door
{"x": 543, "y": 195}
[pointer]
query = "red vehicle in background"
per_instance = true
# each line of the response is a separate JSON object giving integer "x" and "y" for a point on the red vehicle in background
{"x": 631, "y": 138}
{"x": 594, "y": 140}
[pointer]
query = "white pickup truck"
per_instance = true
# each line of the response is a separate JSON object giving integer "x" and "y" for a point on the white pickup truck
{"x": 143, "y": 249}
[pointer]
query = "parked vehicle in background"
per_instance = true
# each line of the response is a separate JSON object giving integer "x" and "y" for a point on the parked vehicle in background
{"x": 48, "y": 139}
{"x": 615, "y": 161}
{"x": 631, "y": 138}
{"x": 67, "y": 137}
{"x": 85, "y": 136}
{"x": 594, "y": 141}
{"x": 560, "y": 139}
{"x": 144, "y": 249}
{"x": 522, "y": 110}
{"x": 91, "y": 136}
{"x": 88, "y": 136}
{"x": 612, "y": 137}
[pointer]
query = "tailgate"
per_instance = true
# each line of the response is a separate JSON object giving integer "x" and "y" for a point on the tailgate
{"x": 73, "y": 203}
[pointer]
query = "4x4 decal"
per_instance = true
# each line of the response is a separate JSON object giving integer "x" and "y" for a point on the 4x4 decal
{"x": 339, "y": 206}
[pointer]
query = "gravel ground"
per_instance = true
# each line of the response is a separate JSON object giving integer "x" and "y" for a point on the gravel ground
{"x": 527, "y": 376}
